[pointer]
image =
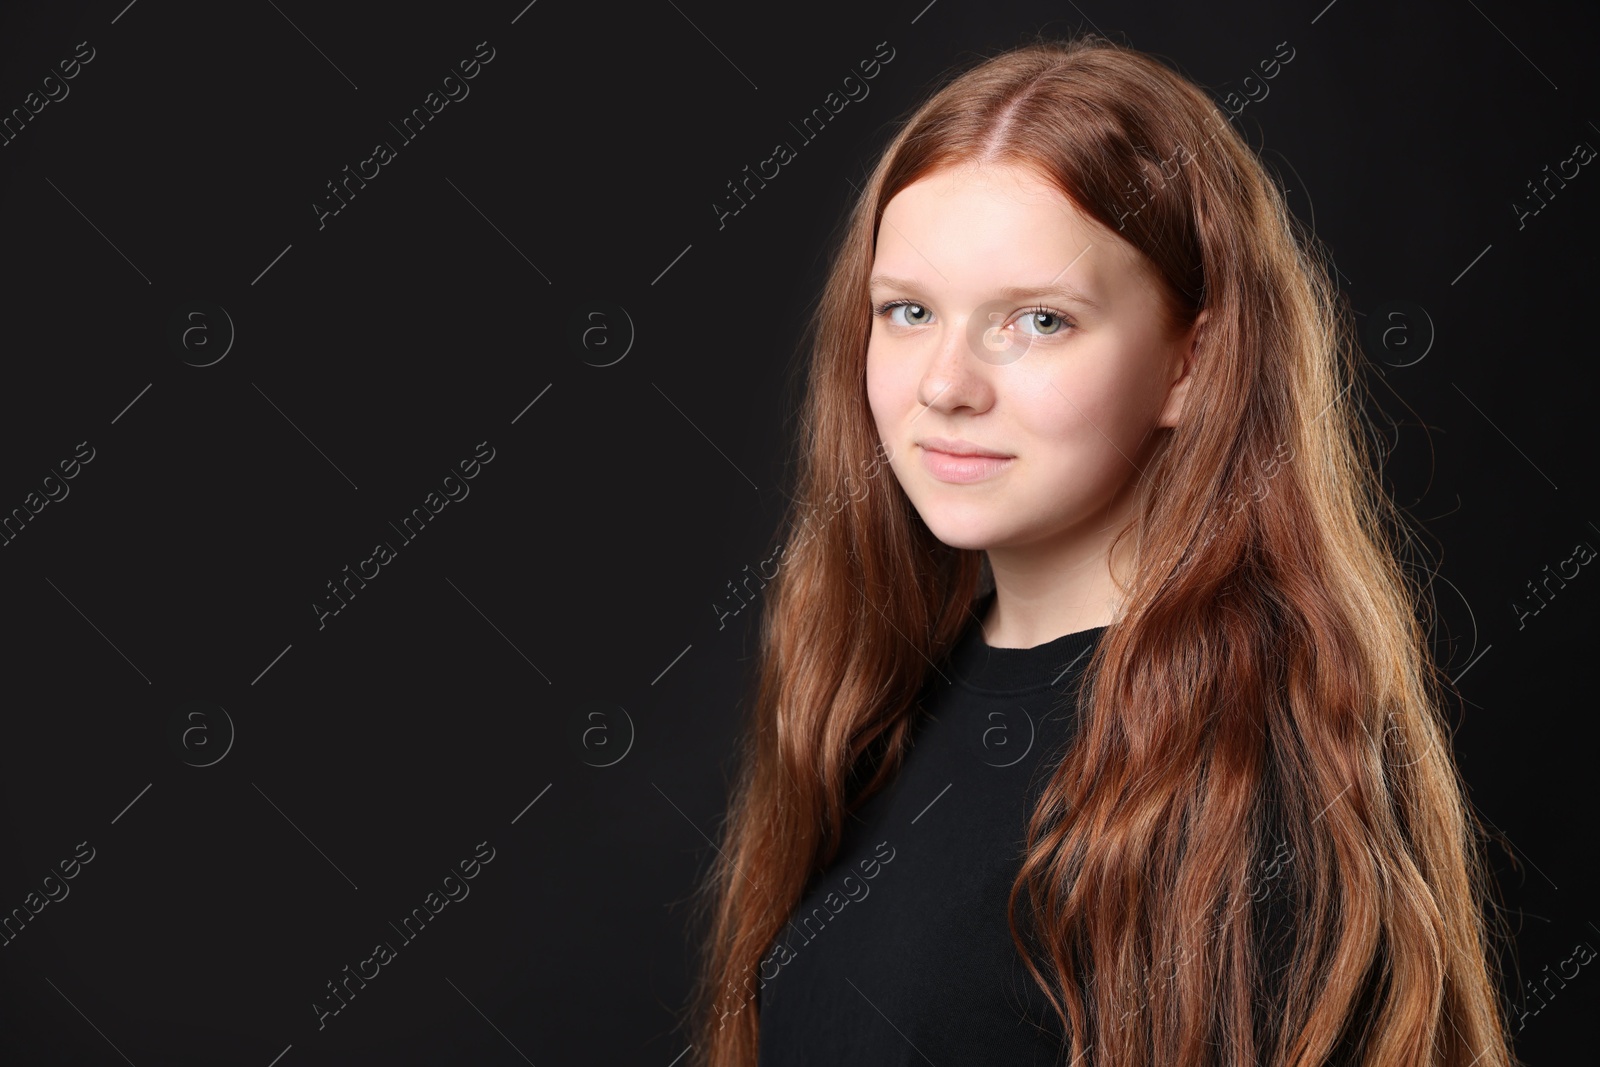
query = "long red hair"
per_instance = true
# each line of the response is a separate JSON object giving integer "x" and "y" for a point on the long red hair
{"x": 1271, "y": 650}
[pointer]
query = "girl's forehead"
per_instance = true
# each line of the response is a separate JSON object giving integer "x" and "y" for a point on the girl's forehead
{"x": 995, "y": 226}
{"x": 965, "y": 203}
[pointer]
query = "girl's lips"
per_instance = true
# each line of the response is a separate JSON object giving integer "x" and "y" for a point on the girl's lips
{"x": 961, "y": 469}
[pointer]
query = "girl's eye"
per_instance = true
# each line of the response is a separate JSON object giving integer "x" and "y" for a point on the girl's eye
{"x": 916, "y": 314}
{"x": 1036, "y": 321}
{"x": 1044, "y": 322}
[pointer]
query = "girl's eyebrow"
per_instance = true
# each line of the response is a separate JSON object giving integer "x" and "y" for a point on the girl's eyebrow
{"x": 883, "y": 281}
{"x": 1010, "y": 292}
{"x": 1061, "y": 292}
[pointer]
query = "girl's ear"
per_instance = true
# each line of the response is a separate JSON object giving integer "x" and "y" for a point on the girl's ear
{"x": 1184, "y": 355}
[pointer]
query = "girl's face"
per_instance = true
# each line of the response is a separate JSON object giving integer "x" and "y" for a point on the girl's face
{"x": 1018, "y": 326}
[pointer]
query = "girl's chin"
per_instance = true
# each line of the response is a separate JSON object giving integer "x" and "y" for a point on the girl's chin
{"x": 963, "y": 532}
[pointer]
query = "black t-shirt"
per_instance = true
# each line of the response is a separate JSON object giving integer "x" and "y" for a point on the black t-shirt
{"x": 900, "y": 952}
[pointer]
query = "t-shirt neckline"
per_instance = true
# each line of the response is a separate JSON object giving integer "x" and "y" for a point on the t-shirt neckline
{"x": 985, "y": 668}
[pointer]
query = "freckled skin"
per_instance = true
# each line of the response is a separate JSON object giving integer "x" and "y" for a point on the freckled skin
{"x": 1083, "y": 404}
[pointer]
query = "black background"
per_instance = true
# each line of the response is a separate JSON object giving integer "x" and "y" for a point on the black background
{"x": 568, "y": 605}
